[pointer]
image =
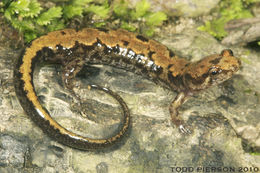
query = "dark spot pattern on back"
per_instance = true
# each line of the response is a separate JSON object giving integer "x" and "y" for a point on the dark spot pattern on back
{"x": 103, "y": 30}
{"x": 125, "y": 43}
{"x": 142, "y": 38}
{"x": 150, "y": 54}
{"x": 197, "y": 80}
{"x": 186, "y": 64}
{"x": 171, "y": 53}
{"x": 215, "y": 61}
{"x": 169, "y": 66}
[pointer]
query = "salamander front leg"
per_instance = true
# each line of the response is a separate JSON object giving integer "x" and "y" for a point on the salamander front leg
{"x": 175, "y": 105}
{"x": 70, "y": 70}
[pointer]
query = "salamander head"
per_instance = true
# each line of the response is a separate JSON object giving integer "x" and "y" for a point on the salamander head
{"x": 211, "y": 70}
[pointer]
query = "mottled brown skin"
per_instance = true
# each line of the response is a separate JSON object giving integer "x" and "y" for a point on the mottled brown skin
{"x": 122, "y": 49}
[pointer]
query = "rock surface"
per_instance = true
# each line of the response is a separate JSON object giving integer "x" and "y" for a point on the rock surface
{"x": 242, "y": 31}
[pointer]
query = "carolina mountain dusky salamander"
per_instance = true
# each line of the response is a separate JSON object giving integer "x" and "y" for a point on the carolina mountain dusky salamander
{"x": 122, "y": 49}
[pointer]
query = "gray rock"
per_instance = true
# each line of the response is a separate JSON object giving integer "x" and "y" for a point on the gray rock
{"x": 11, "y": 152}
{"x": 242, "y": 31}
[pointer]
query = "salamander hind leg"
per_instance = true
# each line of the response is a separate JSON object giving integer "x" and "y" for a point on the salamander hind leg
{"x": 126, "y": 113}
{"x": 176, "y": 119}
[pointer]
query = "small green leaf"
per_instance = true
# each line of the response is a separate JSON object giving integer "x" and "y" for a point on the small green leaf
{"x": 105, "y": 3}
{"x": 71, "y": 11}
{"x": 34, "y": 9}
{"x": 18, "y": 7}
{"x": 99, "y": 24}
{"x": 1, "y": 7}
{"x": 75, "y": 8}
{"x": 46, "y": 17}
{"x": 80, "y": 2}
{"x": 140, "y": 9}
{"x": 127, "y": 26}
{"x": 23, "y": 8}
{"x": 101, "y": 11}
{"x": 156, "y": 19}
{"x": 255, "y": 153}
{"x": 8, "y": 14}
{"x": 5, "y": 3}
{"x": 29, "y": 36}
{"x": 214, "y": 28}
{"x": 24, "y": 25}
{"x": 149, "y": 32}
{"x": 56, "y": 24}
{"x": 121, "y": 9}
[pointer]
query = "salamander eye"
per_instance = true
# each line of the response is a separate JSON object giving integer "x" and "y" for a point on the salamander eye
{"x": 214, "y": 73}
{"x": 214, "y": 70}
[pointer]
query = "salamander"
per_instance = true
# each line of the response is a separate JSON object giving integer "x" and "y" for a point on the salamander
{"x": 122, "y": 49}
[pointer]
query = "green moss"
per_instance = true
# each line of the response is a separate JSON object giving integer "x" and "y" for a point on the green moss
{"x": 47, "y": 17}
{"x": 228, "y": 10}
{"x": 29, "y": 18}
{"x": 248, "y": 2}
{"x": 155, "y": 19}
{"x": 140, "y": 10}
{"x": 121, "y": 9}
{"x": 102, "y": 11}
{"x": 23, "y": 8}
{"x": 255, "y": 154}
{"x": 127, "y": 26}
{"x": 141, "y": 15}
{"x": 75, "y": 8}
{"x": 32, "y": 20}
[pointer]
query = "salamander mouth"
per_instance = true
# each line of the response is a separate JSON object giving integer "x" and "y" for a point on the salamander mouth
{"x": 225, "y": 75}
